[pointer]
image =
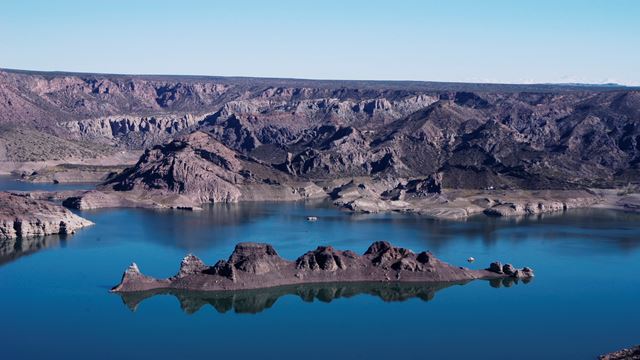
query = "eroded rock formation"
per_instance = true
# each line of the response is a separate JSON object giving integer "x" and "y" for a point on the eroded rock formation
{"x": 21, "y": 216}
{"x": 254, "y": 265}
{"x": 216, "y": 139}
{"x": 475, "y": 135}
{"x": 201, "y": 168}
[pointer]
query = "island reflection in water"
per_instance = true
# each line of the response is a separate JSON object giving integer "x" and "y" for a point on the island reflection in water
{"x": 286, "y": 222}
{"x": 284, "y": 225}
{"x": 12, "y": 249}
{"x": 258, "y": 300}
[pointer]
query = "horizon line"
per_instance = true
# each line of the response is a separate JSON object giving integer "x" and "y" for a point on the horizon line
{"x": 567, "y": 84}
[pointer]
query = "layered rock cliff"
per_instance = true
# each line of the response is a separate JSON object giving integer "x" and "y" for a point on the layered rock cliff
{"x": 475, "y": 135}
{"x": 201, "y": 168}
{"x": 21, "y": 216}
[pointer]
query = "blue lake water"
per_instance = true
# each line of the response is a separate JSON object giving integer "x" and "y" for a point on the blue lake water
{"x": 11, "y": 183}
{"x": 584, "y": 300}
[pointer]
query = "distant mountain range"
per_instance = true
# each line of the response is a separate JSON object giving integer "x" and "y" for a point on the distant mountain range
{"x": 473, "y": 135}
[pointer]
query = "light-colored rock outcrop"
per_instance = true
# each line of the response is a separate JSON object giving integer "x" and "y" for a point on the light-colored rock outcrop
{"x": 73, "y": 173}
{"x": 96, "y": 199}
{"x": 533, "y": 206}
{"x": 133, "y": 130}
{"x": 21, "y": 217}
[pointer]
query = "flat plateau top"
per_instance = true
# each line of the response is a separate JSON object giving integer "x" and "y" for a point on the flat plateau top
{"x": 359, "y": 84}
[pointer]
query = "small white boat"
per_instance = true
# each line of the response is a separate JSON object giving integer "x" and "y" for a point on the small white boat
{"x": 471, "y": 259}
{"x": 312, "y": 218}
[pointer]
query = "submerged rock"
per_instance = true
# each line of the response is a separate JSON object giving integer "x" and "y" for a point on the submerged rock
{"x": 255, "y": 265}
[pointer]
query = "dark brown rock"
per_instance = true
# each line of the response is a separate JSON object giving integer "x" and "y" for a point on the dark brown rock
{"x": 190, "y": 265}
{"x": 253, "y": 265}
{"x": 496, "y": 267}
{"x": 508, "y": 269}
{"x": 255, "y": 258}
{"x": 324, "y": 258}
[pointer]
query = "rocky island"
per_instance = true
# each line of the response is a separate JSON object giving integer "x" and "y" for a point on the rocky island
{"x": 255, "y": 265}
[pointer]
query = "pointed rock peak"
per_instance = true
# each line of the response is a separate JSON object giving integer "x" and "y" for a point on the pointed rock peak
{"x": 189, "y": 259}
{"x": 191, "y": 264}
{"x": 378, "y": 247}
{"x": 325, "y": 248}
{"x": 130, "y": 275}
{"x": 133, "y": 269}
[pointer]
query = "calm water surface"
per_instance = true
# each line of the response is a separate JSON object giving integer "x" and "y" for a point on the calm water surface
{"x": 11, "y": 183}
{"x": 583, "y": 301}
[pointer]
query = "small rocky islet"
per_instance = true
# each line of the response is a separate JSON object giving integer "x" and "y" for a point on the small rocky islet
{"x": 258, "y": 265}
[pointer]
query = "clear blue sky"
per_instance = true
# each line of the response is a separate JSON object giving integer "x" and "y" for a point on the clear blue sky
{"x": 472, "y": 40}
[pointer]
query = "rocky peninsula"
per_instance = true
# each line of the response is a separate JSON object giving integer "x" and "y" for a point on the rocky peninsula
{"x": 21, "y": 216}
{"x": 255, "y": 266}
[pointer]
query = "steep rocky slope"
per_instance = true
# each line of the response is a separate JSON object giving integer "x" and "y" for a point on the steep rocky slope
{"x": 474, "y": 135}
{"x": 203, "y": 169}
{"x": 469, "y": 147}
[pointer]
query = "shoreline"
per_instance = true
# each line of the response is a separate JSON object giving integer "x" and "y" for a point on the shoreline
{"x": 451, "y": 204}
